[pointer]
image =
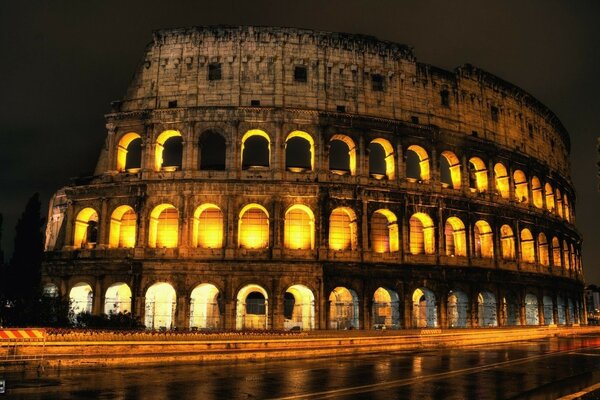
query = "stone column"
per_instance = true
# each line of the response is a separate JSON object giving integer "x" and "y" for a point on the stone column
{"x": 98, "y": 298}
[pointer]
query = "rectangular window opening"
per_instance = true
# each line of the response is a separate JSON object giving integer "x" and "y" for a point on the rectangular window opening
{"x": 341, "y": 109}
{"x": 214, "y": 71}
{"x": 494, "y": 111}
{"x": 445, "y": 98}
{"x": 377, "y": 82}
{"x": 414, "y": 120}
{"x": 172, "y": 104}
{"x": 255, "y": 103}
{"x": 300, "y": 74}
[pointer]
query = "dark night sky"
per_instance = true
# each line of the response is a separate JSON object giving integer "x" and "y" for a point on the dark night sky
{"x": 62, "y": 62}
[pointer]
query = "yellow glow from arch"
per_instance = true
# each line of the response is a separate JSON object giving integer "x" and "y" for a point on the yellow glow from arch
{"x": 390, "y": 164}
{"x": 456, "y": 242}
{"x": 521, "y": 186}
{"x": 559, "y": 203}
{"x": 502, "y": 180}
{"x": 122, "y": 228}
{"x": 543, "y": 250}
{"x": 421, "y": 234}
{"x": 481, "y": 177}
{"x": 82, "y": 221}
{"x": 507, "y": 238}
{"x": 384, "y": 231}
{"x": 122, "y": 149}
{"x": 549, "y": 192}
{"x": 164, "y": 226}
{"x": 342, "y": 229}
{"x": 299, "y": 231}
{"x": 117, "y": 299}
{"x": 527, "y": 246}
{"x": 208, "y": 227}
{"x": 309, "y": 139}
{"x": 80, "y": 296}
{"x": 160, "y": 306}
{"x": 351, "y": 150}
{"x": 254, "y": 132}
{"x": 556, "y": 252}
{"x": 160, "y": 142}
{"x": 454, "y": 164}
{"x": 423, "y": 161}
{"x": 204, "y": 307}
{"x": 253, "y": 227}
{"x": 484, "y": 240}
{"x": 304, "y": 306}
{"x": 536, "y": 190}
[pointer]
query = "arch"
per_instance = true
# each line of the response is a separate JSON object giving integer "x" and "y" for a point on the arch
{"x": 117, "y": 299}
{"x": 567, "y": 207}
{"x": 343, "y": 229}
{"x": 205, "y": 307}
{"x": 129, "y": 152}
{"x": 536, "y": 192}
{"x": 207, "y": 230}
{"x": 549, "y": 192}
{"x": 256, "y": 149}
{"x": 424, "y": 312}
{"x": 527, "y": 246}
{"x": 559, "y": 203}
{"x": 386, "y": 312}
{"x": 384, "y": 231}
{"x": 566, "y": 255}
{"x": 484, "y": 240}
{"x": 507, "y": 238}
{"x": 299, "y": 152}
{"x": 556, "y": 253}
{"x": 122, "y": 228}
{"x": 252, "y": 308}
{"x": 456, "y": 240}
{"x": 521, "y": 186}
{"x": 457, "y": 309}
{"x": 486, "y": 309}
{"x": 571, "y": 312}
{"x": 342, "y": 155}
{"x": 163, "y": 227}
{"x": 299, "y": 228}
{"x": 501, "y": 180}
{"x": 343, "y": 309}
{"x": 417, "y": 163}
{"x": 381, "y": 159}
{"x": 421, "y": 234}
{"x": 548, "y": 310}
{"x": 81, "y": 297}
{"x": 511, "y": 308}
{"x": 561, "y": 311}
{"x": 213, "y": 151}
{"x": 86, "y": 228}
{"x": 253, "y": 227}
{"x": 478, "y": 176}
{"x": 532, "y": 316}
{"x": 299, "y": 308}
{"x": 160, "y": 303}
{"x": 543, "y": 253}
{"x": 450, "y": 173}
{"x": 168, "y": 152}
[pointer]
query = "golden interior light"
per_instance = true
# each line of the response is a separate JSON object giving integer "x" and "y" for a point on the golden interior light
{"x": 521, "y": 186}
{"x": 299, "y": 228}
{"x": 204, "y": 307}
{"x": 159, "y": 147}
{"x": 117, "y": 299}
{"x": 245, "y": 320}
{"x": 566, "y": 255}
{"x": 82, "y": 226}
{"x": 208, "y": 227}
{"x": 164, "y": 227}
{"x": 527, "y": 246}
{"x": 342, "y": 229}
{"x": 454, "y": 166}
{"x": 351, "y": 151}
{"x": 160, "y": 306}
{"x": 543, "y": 250}
{"x": 304, "y": 306}
{"x": 454, "y": 233}
{"x": 549, "y": 192}
{"x": 253, "y": 227}
{"x": 423, "y": 161}
{"x": 480, "y": 171}
{"x": 421, "y": 234}
{"x": 507, "y": 239}
{"x": 255, "y": 132}
{"x": 390, "y": 164}
{"x": 556, "y": 253}
{"x": 122, "y": 228}
{"x": 484, "y": 240}
{"x": 567, "y": 208}
{"x": 122, "y": 149}
{"x": 536, "y": 191}
{"x": 81, "y": 297}
{"x": 559, "y": 203}
{"x": 502, "y": 180}
{"x": 384, "y": 231}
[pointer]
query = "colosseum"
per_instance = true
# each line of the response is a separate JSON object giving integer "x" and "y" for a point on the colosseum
{"x": 283, "y": 178}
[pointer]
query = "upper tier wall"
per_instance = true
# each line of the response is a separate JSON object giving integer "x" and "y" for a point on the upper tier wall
{"x": 257, "y": 65}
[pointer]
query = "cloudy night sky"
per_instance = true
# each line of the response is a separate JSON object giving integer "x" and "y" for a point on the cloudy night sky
{"x": 63, "y": 62}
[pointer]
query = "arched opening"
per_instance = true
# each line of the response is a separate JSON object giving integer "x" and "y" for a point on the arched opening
{"x": 342, "y": 155}
{"x": 536, "y": 192}
{"x": 299, "y": 308}
{"x": 213, "y": 151}
{"x": 384, "y": 231}
{"x": 160, "y": 306}
{"x": 381, "y": 159}
{"x": 511, "y": 307}
{"x": 421, "y": 234}
{"x": 164, "y": 227}
{"x": 549, "y": 192}
{"x": 567, "y": 208}
{"x": 532, "y": 316}
{"x": 129, "y": 152}
{"x": 205, "y": 307}
{"x": 299, "y": 152}
{"x": 299, "y": 228}
{"x": 86, "y": 229}
{"x": 548, "y": 310}
{"x": 386, "y": 312}
{"x": 478, "y": 178}
{"x": 252, "y": 308}
{"x": 559, "y": 203}
{"x": 507, "y": 238}
{"x": 122, "y": 228}
{"x": 81, "y": 297}
{"x": 342, "y": 229}
{"x": 571, "y": 311}
{"x": 343, "y": 309}
{"x": 253, "y": 227}
{"x": 169, "y": 151}
{"x": 417, "y": 163}
{"x": 450, "y": 170}
{"x": 256, "y": 150}
{"x": 521, "y": 186}
{"x": 484, "y": 240}
{"x": 566, "y": 255}
{"x": 424, "y": 313}
{"x": 556, "y": 253}
{"x": 543, "y": 253}
{"x": 527, "y": 246}
{"x": 486, "y": 309}
{"x": 454, "y": 234}
{"x": 117, "y": 299}
{"x": 208, "y": 227}
{"x": 561, "y": 311}
{"x": 502, "y": 180}
{"x": 457, "y": 306}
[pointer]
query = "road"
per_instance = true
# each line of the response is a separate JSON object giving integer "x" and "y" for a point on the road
{"x": 544, "y": 369}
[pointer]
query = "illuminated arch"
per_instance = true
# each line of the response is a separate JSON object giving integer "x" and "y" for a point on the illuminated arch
{"x": 422, "y": 170}
{"x": 253, "y": 227}
{"x": 350, "y": 165}
{"x": 123, "y": 161}
{"x": 263, "y": 160}
{"x": 507, "y": 238}
{"x": 160, "y": 144}
{"x": 299, "y": 308}
{"x": 160, "y": 303}
{"x": 502, "y": 180}
{"x": 252, "y": 308}
{"x": 204, "y": 307}
{"x": 486, "y": 309}
{"x": 421, "y": 234}
{"x": 117, "y": 299}
{"x": 549, "y": 193}
{"x": 566, "y": 255}
{"x": 424, "y": 314}
{"x": 310, "y": 157}
{"x": 457, "y": 304}
{"x": 343, "y": 229}
{"x": 567, "y": 208}
{"x": 478, "y": 177}
{"x": 386, "y": 313}
{"x": 527, "y": 246}
{"x": 450, "y": 173}
{"x": 164, "y": 227}
{"x": 543, "y": 253}
{"x": 388, "y": 158}
{"x": 559, "y": 203}
{"x": 521, "y": 186}
{"x": 556, "y": 253}
{"x": 536, "y": 192}
{"x": 384, "y": 231}
{"x": 122, "y": 228}
{"x": 456, "y": 239}
{"x": 484, "y": 240}
{"x": 208, "y": 227}
{"x": 299, "y": 228}
{"x": 86, "y": 228}
{"x": 81, "y": 297}
{"x": 343, "y": 309}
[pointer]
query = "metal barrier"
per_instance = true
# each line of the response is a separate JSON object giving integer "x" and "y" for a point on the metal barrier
{"x": 12, "y": 339}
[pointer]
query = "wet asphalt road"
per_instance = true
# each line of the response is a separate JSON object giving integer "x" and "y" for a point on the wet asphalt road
{"x": 544, "y": 369}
